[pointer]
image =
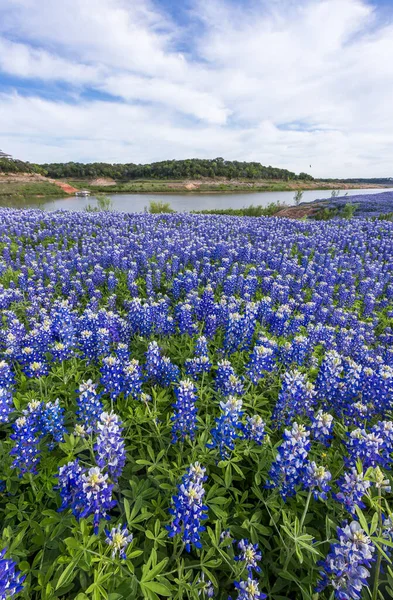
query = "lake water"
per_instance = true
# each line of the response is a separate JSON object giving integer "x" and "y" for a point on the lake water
{"x": 186, "y": 202}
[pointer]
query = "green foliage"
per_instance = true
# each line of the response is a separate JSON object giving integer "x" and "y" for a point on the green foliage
{"x": 194, "y": 168}
{"x": 104, "y": 203}
{"x": 348, "y": 211}
{"x": 157, "y": 207}
{"x": 250, "y": 211}
{"x": 298, "y": 197}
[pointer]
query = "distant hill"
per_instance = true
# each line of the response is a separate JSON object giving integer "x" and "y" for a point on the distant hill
{"x": 376, "y": 180}
{"x": 194, "y": 168}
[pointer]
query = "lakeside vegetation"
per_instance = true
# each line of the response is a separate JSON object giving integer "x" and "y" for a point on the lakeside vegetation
{"x": 21, "y": 194}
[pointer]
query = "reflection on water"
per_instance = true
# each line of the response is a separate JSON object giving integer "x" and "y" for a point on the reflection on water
{"x": 180, "y": 202}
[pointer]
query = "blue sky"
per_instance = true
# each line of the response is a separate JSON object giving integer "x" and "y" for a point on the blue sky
{"x": 286, "y": 82}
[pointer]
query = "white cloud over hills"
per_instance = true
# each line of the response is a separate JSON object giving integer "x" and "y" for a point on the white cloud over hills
{"x": 287, "y": 83}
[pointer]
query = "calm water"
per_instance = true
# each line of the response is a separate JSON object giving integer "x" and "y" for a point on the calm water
{"x": 186, "y": 202}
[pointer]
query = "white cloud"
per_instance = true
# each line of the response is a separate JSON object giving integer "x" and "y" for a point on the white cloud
{"x": 283, "y": 82}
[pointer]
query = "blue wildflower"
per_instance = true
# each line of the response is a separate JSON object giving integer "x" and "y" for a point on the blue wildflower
{"x": 89, "y": 406}
{"x": 228, "y": 427}
{"x": 287, "y": 470}
{"x": 346, "y": 566}
{"x": 249, "y": 590}
{"x": 6, "y": 405}
{"x": 250, "y": 555}
{"x": 11, "y": 581}
{"x": 118, "y": 539}
{"x": 185, "y": 411}
{"x": 109, "y": 447}
{"x": 315, "y": 478}
{"x": 353, "y": 487}
{"x": 254, "y": 429}
{"x": 188, "y": 509}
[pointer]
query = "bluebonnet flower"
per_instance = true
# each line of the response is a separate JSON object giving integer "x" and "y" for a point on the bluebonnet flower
{"x": 89, "y": 406}
{"x": 250, "y": 555}
{"x": 36, "y": 368}
{"x": 122, "y": 352}
{"x": 249, "y": 590}
{"x": 228, "y": 427}
{"x": 315, "y": 478}
{"x": 160, "y": 369}
{"x": 206, "y": 587}
{"x": 224, "y": 370}
{"x": 61, "y": 351}
{"x": 353, "y": 486}
{"x": 198, "y": 365}
{"x": 52, "y": 422}
{"x": 132, "y": 379}
{"x": 188, "y": 509}
{"x": 6, "y": 405}
{"x": 185, "y": 411}
{"x": 287, "y": 470}
{"x": 112, "y": 376}
{"x": 296, "y": 398}
{"x": 201, "y": 346}
{"x": 11, "y": 580}
{"x": 26, "y": 437}
{"x": 7, "y": 378}
{"x": 346, "y": 566}
{"x": 254, "y": 429}
{"x": 85, "y": 492}
{"x": 262, "y": 361}
{"x": 95, "y": 496}
{"x": 69, "y": 484}
{"x": 321, "y": 427}
{"x": 118, "y": 539}
{"x": 109, "y": 447}
{"x": 328, "y": 380}
{"x": 369, "y": 448}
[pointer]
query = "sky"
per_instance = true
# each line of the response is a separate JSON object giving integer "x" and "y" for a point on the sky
{"x": 288, "y": 83}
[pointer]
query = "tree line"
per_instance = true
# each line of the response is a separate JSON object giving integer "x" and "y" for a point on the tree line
{"x": 194, "y": 168}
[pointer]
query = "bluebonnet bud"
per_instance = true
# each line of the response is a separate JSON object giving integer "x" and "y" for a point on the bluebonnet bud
{"x": 118, "y": 539}
{"x": 188, "y": 509}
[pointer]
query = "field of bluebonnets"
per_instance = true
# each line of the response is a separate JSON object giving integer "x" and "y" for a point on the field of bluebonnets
{"x": 367, "y": 205}
{"x": 195, "y": 407}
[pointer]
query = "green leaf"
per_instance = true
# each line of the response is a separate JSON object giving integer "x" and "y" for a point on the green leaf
{"x": 68, "y": 574}
{"x": 155, "y": 571}
{"x": 159, "y": 588}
